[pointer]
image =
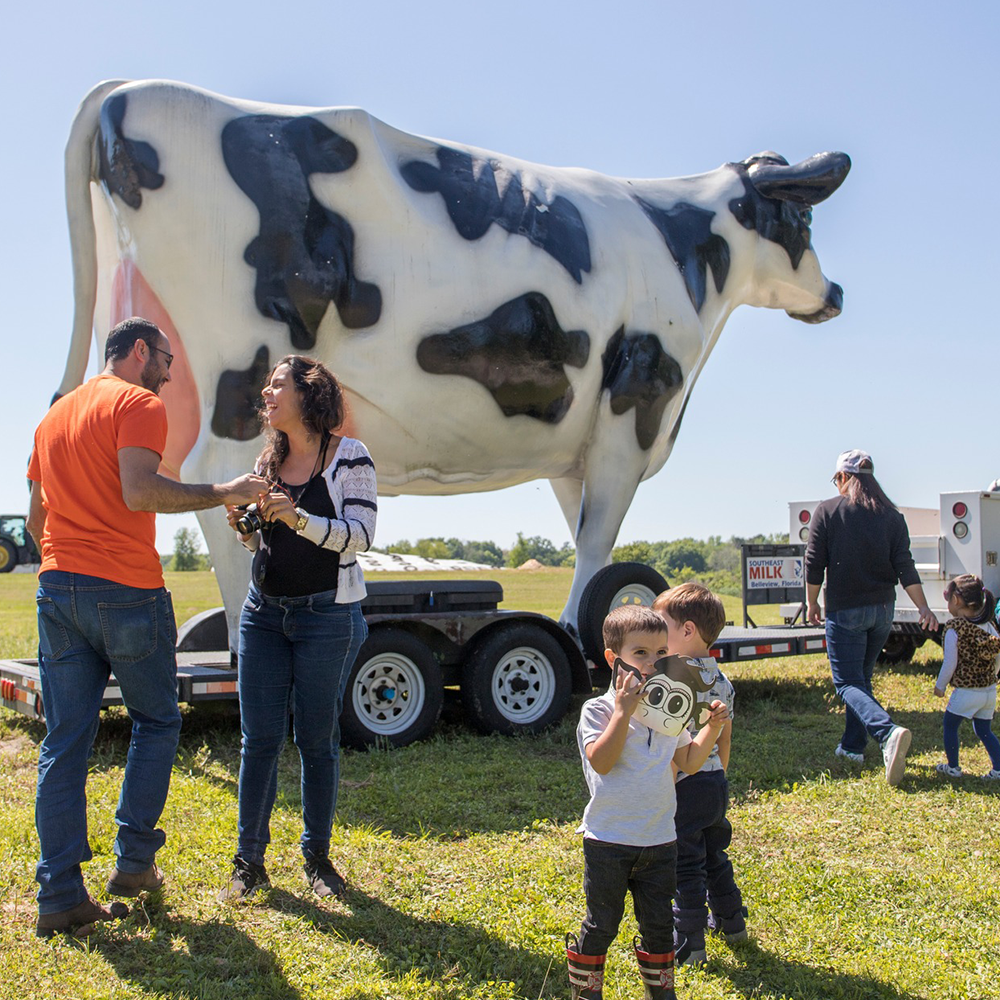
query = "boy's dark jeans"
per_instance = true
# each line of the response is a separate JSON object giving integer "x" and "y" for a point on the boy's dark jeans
{"x": 609, "y": 870}
{"x": 703, "y": 835}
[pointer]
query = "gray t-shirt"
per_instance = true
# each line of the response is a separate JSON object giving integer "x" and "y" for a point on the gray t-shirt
{"x": 722, "y": 689}
{"x": 634, "y": 803}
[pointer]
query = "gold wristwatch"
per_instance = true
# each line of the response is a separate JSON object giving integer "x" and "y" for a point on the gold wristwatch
{"x": 302, "y": 521}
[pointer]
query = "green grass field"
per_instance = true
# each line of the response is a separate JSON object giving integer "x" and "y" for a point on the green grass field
{"x": 466, "y": 870}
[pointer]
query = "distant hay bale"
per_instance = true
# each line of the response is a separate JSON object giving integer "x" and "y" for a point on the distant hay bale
{"x": 531, "y": 564}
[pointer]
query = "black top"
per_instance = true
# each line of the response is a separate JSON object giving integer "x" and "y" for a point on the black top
{"x": 862, "y": 553}
{"x": 288, "y": 565}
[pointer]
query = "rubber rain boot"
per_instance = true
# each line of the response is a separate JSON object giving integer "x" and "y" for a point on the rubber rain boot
{"x": 657, "y": 971}
{"x": 586, "y": 972}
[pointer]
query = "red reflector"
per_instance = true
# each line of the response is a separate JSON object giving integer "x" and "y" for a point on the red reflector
{"x": 804, "y": 516}
{"x": 960, "y": 509}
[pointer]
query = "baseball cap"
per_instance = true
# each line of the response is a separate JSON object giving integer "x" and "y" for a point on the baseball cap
{"x": 850, "y": 461}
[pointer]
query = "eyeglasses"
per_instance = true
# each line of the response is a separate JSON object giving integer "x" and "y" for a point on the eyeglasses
{"x": 166, "y": 354}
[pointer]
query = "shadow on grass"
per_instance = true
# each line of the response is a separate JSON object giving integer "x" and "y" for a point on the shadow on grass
{"x": 190, "y": 958}
{"x": 797, "y": 979}
{"x": 436, "y": 949}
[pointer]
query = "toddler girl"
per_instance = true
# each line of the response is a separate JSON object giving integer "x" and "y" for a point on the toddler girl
{"x": 971, "y": 663}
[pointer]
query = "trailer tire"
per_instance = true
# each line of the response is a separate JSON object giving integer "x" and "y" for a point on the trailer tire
{"x": 612, "y": 587}
{"x": 394, "y": 692}
{"x": 898, "y": 648}
{"x": 516, "y": 679}
{"x": 8, "y": 556}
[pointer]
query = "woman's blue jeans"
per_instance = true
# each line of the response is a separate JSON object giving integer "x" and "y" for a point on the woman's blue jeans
{"x": 854, "y": 638}
{"x": 295, "y": 654}
{"x": 87, "y": 628}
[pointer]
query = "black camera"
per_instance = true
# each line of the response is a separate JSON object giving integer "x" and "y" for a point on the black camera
{"x": 250, "y": 520}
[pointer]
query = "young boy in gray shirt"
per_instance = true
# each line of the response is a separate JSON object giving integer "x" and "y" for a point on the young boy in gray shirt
{"x": 629, "y": 841}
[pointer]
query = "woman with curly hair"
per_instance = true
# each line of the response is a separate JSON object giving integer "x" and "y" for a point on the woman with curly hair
{"x": 301, "y": 626}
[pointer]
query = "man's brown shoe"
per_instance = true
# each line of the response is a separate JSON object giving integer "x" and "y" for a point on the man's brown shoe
{"x": 132, "y": 883}
{"x": 79, "y": 921}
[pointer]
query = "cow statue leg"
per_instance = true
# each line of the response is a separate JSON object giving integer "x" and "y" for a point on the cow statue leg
{"x": 614, "y": 469}
{"x": 231, "y": 562}
{"x": 569, "y": 493}
{"x": 219, "y": 460}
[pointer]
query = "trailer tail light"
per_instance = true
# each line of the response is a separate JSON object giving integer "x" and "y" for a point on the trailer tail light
{"x": 804, "y": 516}
{"x": 960, "y": 510}
{"x": 961, "y": 529}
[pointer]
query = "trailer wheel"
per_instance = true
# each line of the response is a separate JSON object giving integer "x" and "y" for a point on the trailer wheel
{"x": 394, "y": 692}
{"x": 898, "y": 648}
{"x": 611, "y": 587}
{"x": 517, "y": 679}
{"x": 8, "y": 556}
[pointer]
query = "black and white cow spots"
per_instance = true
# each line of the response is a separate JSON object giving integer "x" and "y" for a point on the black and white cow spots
{"x": 517, "y": 353}
{"x": 125, "y": 165}
{"x": 304, "y": 252}
{"x": 237, "y": 399}
{"x": 778, "y": 199}
{"x": 783, "y": 222}
{"x": 471, "y": 189}
{"x": 639, "y": 373}
{"x": 687, "y": 231}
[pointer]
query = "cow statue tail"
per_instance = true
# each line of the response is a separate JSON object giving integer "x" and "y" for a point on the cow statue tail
{"x": 80, "y": 171}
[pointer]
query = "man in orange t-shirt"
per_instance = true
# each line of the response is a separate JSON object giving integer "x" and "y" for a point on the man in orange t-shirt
{"x": 102, "y": 607}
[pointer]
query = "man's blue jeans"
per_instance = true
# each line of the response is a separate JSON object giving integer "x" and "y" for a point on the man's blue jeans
{"x": 295, "y": 653}
{"x": 854, "y": 638}
{"x": 87, "y": 628}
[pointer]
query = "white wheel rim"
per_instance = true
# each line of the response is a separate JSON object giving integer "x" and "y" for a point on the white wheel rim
{"x": 633, "y": 593}
{"x": 388, "y": 693}
{"x": 523, "y": 685}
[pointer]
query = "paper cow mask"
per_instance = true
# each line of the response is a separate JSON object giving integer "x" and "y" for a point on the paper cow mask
{"x": 670, "y": 695}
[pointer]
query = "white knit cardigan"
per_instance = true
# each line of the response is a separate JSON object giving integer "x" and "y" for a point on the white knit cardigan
{"x": 350, "y": 481}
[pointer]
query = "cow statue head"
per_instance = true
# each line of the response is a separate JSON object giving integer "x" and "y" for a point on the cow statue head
{"x": 777, "y": 205}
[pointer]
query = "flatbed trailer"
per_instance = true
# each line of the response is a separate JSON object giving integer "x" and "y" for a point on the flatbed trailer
{"x": 515, "y": 671}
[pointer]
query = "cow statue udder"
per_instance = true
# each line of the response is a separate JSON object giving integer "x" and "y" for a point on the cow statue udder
{"x": 493, "y": 321}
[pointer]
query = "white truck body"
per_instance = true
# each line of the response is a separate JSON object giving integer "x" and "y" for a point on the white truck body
{"x": 961, "y": 536}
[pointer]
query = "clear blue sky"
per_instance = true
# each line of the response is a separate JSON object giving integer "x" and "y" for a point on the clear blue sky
{"x": 637, "y": 89}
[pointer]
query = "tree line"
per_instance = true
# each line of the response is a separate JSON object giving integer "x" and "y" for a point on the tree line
{"x": 714, "y": 562}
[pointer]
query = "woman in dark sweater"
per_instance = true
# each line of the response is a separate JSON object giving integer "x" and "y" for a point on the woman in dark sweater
{"x": 859, "y": 541}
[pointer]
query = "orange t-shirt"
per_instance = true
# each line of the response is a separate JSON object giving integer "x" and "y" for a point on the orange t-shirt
{"x": 88, "y": 528}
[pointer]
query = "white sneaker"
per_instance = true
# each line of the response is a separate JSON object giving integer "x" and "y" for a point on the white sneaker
{"x": 854, "y": 758}
{"x": 993, "y": 775}
{"x": 956, "y": 772}
{"x": 894, "y": 751}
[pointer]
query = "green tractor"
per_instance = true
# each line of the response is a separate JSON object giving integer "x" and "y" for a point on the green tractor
{"x": 16, "y": 545}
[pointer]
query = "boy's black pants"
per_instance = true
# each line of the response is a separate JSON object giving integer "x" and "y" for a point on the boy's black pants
{"x": 703, "y": 836}
{"x": 609, "y": 871}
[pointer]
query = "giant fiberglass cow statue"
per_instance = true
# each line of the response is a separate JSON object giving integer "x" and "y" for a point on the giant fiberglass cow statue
{"x": 493, "y": 321}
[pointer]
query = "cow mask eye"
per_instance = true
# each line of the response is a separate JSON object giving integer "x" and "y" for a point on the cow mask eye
{"x": 666, "y": 705}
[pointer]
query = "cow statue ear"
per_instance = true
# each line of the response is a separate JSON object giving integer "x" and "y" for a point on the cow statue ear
{"x": 805, "y": 183}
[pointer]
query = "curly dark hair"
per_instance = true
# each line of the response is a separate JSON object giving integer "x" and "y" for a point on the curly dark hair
{"x": 322, "y": 408}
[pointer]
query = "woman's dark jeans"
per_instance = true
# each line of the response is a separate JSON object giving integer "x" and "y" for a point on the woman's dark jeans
{"x": 295, "y": 652}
